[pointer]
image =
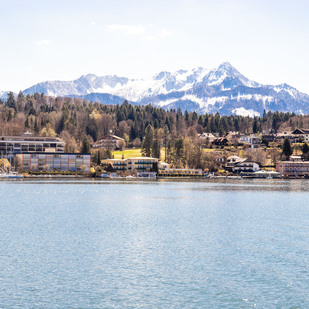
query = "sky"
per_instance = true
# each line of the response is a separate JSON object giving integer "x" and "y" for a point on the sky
{"x": 266, "y": 40}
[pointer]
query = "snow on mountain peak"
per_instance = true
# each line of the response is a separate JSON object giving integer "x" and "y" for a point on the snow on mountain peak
{"x": 221, "y": 89}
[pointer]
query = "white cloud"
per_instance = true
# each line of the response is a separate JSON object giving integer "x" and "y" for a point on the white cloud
{"x": 93, "y": 23}
{"x": 43, "y": 43}
{"x": 128, "y": 29}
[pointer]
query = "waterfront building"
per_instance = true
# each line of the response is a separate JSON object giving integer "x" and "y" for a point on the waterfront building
{"x": 232, "y": 161}
{"x": 50, "y": 161}
{"x": 180, "y": 172}
{"x": 133, "y": 165}
{"x": 246, "y": 166}
{"x": 110, "y": 142}
{"x": 10, "y": 145}
{"x": 293, "y": 168}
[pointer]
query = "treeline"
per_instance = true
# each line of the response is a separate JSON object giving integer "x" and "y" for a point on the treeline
{"x": 73, "y": 119}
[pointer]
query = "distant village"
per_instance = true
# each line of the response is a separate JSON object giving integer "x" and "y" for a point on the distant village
{"x": 266, "y": 155}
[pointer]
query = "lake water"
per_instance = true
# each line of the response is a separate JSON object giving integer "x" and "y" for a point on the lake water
{"x": 154, "y": 244}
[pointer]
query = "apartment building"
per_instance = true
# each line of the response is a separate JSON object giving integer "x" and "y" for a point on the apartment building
{"x": 10, "y": 145}
{"x": 293, "y": 168}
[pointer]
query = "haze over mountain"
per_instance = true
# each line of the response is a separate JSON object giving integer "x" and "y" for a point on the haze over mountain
{"x": 222, "y": 89}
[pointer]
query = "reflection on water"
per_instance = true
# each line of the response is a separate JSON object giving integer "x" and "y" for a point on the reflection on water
{"x": 154, "y": 244}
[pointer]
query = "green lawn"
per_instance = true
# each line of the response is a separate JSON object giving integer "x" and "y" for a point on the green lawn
{"x": 127, "y": 153}
{"x": 130, "y": 153}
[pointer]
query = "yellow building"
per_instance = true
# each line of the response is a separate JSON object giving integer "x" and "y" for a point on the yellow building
{"x": 133, "y": 165}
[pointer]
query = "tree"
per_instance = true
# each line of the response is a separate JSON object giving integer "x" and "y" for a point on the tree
{"x": 255, "y": 125}
{"x": 137, "y": 143}
{"x": 286, "y": 148}
{"x": 165, "y": 141}
{"x": 11, "y": 103}
{"x": 85, "y": 145}
{"x": 148, "y": 141}
{"x": 156, "y": 146}
{"x": 305, "y": 150}
{"x": 48, "y": 131}
{"x": 99, "y": 158}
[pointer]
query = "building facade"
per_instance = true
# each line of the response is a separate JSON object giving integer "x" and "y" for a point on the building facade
{"x": 246, "y": 166}
{"x": 110, "y": 142}
{"x": 293, "y": 168}
{"x": 133, "y": 165}
{"x": 232, "y": 161}
{"x": 303, "y": 134}
{"x": 252, "y": 140}
{"x": 44, "y": 161}
{"x": 180, "y": 172}
{"x": 10, "y": 145}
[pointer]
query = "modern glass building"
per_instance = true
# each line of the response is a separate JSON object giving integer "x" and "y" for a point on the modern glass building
{"x": 49, "y": 161}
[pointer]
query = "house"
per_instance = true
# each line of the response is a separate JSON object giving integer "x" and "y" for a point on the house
{"x": 252, "y": 140}
{"x": 268, "y": 137}
{"x": 280, "y": 137}
{"x": 220, "y": 141}
{"x": 110, "y": 142}
{"x": 50, "y": 161}
{"x": 232, "y": 161}
{"x": 302, "y": 133}
{"x": 164, "y": 165}
{"x": 233, "y": 136}
{"x": 246, "y": 166}
{"x": 204, "y": 136}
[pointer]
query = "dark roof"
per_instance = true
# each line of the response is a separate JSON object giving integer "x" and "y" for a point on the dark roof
{"x": 110, "y": 135}
{"x": 56, "y": 153}
{"x": 301, "y": 131}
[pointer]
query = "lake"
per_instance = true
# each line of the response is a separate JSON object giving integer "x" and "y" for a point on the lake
{"x": 154, "y": 244}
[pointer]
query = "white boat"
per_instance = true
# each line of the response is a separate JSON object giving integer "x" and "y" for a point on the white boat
{"x": 147, "y": 175}
{"x": 10, "y": 175}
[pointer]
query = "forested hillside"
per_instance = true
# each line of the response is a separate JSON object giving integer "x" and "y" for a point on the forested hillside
{"x": 72, "y": 119}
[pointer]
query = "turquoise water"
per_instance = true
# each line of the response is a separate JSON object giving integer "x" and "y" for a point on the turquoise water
{"x": 154, "y": 244}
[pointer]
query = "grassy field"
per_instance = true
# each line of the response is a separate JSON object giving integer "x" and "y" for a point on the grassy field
{"x": 130, "y": 153}
{"x": 127, "y": 153}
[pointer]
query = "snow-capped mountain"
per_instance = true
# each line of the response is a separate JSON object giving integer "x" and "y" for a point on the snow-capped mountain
{"x": 3, "y": 95}
{"x": 222, "y": 89}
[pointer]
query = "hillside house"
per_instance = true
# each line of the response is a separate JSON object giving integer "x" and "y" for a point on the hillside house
{"x": 110, "y": 142}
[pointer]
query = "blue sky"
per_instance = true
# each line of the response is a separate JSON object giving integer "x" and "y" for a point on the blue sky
{"x": 267, "y": 41}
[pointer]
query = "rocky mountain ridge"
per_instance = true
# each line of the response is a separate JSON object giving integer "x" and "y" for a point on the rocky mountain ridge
{"x": 222, "y": 89}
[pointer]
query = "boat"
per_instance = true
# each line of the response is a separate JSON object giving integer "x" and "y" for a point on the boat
{"x": 104, "y": 175}
{"x": 147, "y": 175}
{"x": 10, "y": 175}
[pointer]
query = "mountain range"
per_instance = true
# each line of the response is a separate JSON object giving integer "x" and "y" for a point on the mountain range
{"x": 222, "y": 89}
